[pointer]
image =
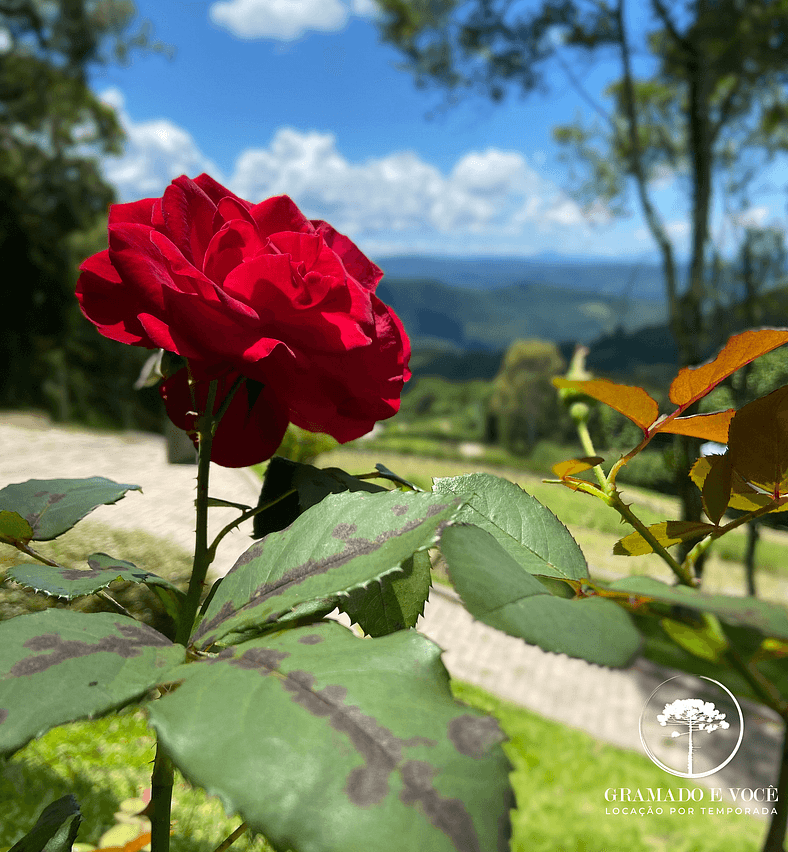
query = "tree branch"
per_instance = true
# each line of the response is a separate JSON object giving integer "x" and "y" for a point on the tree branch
{"x": 653, "y": 219}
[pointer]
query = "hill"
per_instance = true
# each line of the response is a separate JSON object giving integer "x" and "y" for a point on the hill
{"x": 639, "y": 278}
{"x": 441, "y": 316}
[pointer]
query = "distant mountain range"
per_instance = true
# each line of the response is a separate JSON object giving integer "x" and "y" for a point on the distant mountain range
{"x": 462, "y": 314}
{"x": 437, "y": 315}
{"x": 641, "y": 279}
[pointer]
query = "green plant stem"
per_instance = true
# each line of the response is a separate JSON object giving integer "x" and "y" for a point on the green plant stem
{"x": 161, "y": 802}
{"x": 202, "y": 554}
{"x": 245, "y": 516}
{"x": 775, "y": 837}
{"x": 682, "y": 573}
{"x": 611, "y": 496}
{"x": 163, "y": 770}
{"x": 228, "y": 842}
{"x": 590, "y": 450}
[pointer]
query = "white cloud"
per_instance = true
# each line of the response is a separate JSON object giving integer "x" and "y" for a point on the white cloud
{"x": 365, "y": 8}
{"x": 284, "y": 20}
{"x": 753, "y": 217}
{"x": 156, "y": 151}
{"x": 488, "y": 191}
{"x": 400, "y": 202}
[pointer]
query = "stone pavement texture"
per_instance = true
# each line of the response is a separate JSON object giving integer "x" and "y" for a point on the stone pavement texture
{"x": 607, "y": 703}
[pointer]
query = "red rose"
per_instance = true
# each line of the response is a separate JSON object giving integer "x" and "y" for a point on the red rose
{"x": 251, "y": 290}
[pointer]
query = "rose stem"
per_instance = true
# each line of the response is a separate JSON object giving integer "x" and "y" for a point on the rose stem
{"x": 161, "y": 781}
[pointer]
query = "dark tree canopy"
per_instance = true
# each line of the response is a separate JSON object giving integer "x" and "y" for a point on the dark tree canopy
{"x": 52, "y": 129}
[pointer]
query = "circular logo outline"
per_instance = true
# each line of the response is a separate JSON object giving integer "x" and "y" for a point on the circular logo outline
{"x": 657, "y": 762}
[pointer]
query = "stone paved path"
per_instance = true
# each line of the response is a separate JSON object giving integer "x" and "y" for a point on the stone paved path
{"x": 606, "y": 703}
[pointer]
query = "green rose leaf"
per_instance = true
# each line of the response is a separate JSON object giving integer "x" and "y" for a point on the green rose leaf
{"x": 326, "y": 742}
{"x": 53, "y": 506}
{"x": 351, "y": 541}
{"x": 768, "y": 618}
{"x": 55, "y": 830}
{"x": 58, "y": 666}
{"x": 72, "y": 583}
{"x": 396, "y": 601}
{"x": 14, "y": 528}
{"x": 498, "y": 591}
{"x": 528, "y": 531}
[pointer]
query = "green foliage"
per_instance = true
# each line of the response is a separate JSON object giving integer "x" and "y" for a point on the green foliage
{"x": 298, "y": 445}
{"x": 52, "y": 506}
{"x": 323, "y": 739}
{"x": 70, "y": 583}
{"x": 105, "y": 763}
{"x": 56, "y": 828}
{"x": 495, "y": 590}
{"x": 371, "y": 757}
{"x": 69, "y": 665}
{"x": 523, "y": 407}
{"x": 530, "y": 533}
{"x": 52, "y": 197}
{"x": 353, "y": 541}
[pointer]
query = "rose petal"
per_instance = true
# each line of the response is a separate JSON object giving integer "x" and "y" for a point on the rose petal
{"x": 230, "y": 247}
{"x": 135, "y": 212}
{"x": 216, "y": 192}
{"x": 280, "y": 214}
{"x": 251, "y": 428}
{"x": 355, "y": 262}
{"x": 188, "y": 214}
{"x": 103, "y": 299}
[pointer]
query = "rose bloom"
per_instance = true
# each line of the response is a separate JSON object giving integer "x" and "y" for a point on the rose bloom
{"x": 255, "y": 291}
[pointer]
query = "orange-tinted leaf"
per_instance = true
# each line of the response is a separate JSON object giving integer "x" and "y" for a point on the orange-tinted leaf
{"x": 716, "y": 491}
{"x": 758, "y": 442}
{"x": 709, "y": 427}
{"x": 666, "y": 533}
{"x": 632, "y": 402}
{"x": 572, "y": 466}
{"x": 132, "y": 846}
{"x": 692, "y": 383}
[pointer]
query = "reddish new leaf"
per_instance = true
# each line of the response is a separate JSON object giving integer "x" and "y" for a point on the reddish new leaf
{"x": 708, "y": 427}
{"x": 692, "y": 383}
{"x": 632, "y": 402}
{"x": 666, "y": 533}
{"x": 758, "y": 442}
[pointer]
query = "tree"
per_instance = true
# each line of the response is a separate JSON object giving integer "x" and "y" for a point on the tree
{"x": 52, "y": 129}
{"x": 694, "y": 714}
{"x": 709, "y": 106}
{"x": 524, "y": 406}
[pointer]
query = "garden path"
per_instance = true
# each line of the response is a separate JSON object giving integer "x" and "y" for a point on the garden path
{"x": 606, "y": 703}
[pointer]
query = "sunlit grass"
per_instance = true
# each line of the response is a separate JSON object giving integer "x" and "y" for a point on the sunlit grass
{"x": 560, "y": 777}
{"x": 102, "y": 763}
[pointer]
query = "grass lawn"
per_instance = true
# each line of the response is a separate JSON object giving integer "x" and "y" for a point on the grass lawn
{"x": 560, "y": 777}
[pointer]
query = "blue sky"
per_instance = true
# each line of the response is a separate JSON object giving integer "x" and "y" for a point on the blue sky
{"x": 300, "y": 97}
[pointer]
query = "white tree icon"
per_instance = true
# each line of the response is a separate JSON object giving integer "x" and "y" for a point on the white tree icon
{"x": 696, "y": 715}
